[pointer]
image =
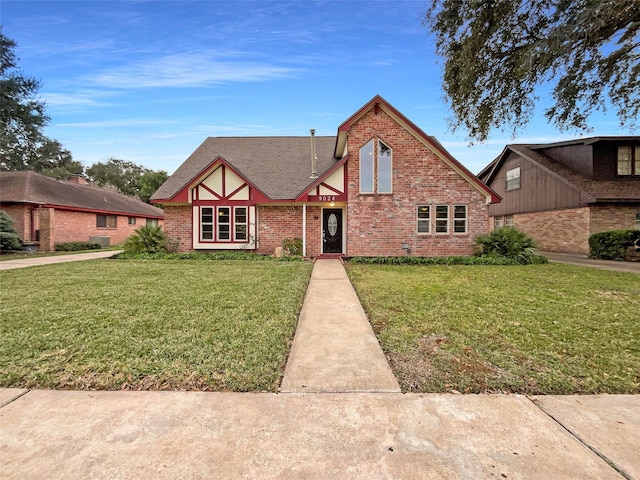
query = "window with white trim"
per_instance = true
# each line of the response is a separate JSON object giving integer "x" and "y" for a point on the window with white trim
{"x": 240, "y": 223}
{"x": 508, "y": 221}
{"x": 423, "y": 215}
{"x": 460, "y": 219}
{"x": 442, "y": 218}
{"x": 224, "y": 223}
{"x": 628, "y": 160}
{"x": 206, "y": 223}
{"x": 498, "y": 222}
{"x": 376, "y": 167}
{"x": 513, "y": 179}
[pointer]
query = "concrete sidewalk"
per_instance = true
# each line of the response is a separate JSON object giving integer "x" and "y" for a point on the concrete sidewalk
{"x": 330, "y": 434}
{"x": 37, "y": 261}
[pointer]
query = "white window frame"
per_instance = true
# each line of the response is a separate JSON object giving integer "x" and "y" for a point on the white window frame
{"x": 439, "y": 219}
{"x": 367, "y": 158}
{"x": 211, "y": 223}
{"x": 425, "y": 220}
{"x": 512, "y": 179}
{"x": 457, "y": 221}
{"x": 237, "y": 224}
{"x": 382, "y": 166}
{"x": 219, "y": 223}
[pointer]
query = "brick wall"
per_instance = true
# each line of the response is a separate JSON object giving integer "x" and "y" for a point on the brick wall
{"x": 564, "y": 231}
{"x": 613, "y": 217}
{"x": 21, "y": 216}
{"x": 179, "y": 226}
{"x": 379, "y": 224}
{"x": 277, "y": 223}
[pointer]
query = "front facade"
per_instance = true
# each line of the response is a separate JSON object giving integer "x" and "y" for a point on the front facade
{"x": 381, "y": 187}
{"x": 47, "y": 212}
{"x": 561, "y": 193}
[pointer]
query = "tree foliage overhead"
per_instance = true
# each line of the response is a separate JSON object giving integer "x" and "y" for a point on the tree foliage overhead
{"x": 23, "y": 146}
{"x": 497, "y": 52}
{"x": 127, "y": 177}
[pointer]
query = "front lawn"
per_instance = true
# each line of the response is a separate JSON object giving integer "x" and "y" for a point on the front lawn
{"x": 112, "y": 324}
{"x": 551, "y": 329}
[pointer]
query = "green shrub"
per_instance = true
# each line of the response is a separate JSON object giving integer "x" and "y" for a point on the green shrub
{"x": 76, "y": 246}
{"x": 613, "y": 244}
{"x": 147, "y": 239}
{"x": 9, "y": 239}
{"x": 455, "y": 260}
{"x": 224, "y": 255}
{"x": 507, "y": 242}
{"x": 293, "y": 246}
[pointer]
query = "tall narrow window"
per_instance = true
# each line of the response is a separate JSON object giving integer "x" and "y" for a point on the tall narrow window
{"x": 206, "y": 223}
{"x": 224, "y": 223}
{"x": 424, "y": 218}
{"x": 442, "y": 218}
{"x": 460, "y": 219}
{"x": 513, "y": 179}
{"x": 624, "y": 160}
{"x": 240, "y": 223}
{"x": 498, "y": 222}
{"x": 366, "y": 168}
{"x": 384, "y": 168}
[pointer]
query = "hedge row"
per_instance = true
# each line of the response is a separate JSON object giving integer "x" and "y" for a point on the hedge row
{"x": 203, "y": 256}
{"x": 459, "y": 260}
{"x": 613, "y": 244}
{"x": 76, "y": 246}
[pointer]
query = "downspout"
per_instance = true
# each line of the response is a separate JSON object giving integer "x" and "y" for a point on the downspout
{"x": 304, "y": 230}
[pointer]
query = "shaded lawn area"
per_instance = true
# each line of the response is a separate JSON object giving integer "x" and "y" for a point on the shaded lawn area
{"x": 112, "y": 324}
{"x": 543, "y": 329}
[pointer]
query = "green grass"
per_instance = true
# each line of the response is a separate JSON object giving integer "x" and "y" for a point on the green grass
{"x": 553, "y": 329}
{"x": 110, "y": 324}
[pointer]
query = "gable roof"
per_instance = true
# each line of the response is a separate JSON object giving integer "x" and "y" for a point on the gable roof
{"x": 34, "y": 188}
{"x": 279, "y": 166}
{"x": 429, "y": 141}
{"x": 596, "y": 190}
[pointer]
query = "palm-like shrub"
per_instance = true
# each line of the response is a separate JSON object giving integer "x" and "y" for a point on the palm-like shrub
{"x": 510, "y": 243}
{"x": 147, "y": 239}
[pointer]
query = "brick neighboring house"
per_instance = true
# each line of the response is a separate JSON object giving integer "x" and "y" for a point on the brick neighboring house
{"x": 561, "y": 193}
{"x": 46, "y": 211}
{"x": 380, "y": 187}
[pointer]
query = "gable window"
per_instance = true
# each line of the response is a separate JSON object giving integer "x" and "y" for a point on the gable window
{"x": 442, "y": 218}
{"x": 106, "y": 221}
{"x": 424, "y": 218}
{"x": 376, "y": 167}
{"x": 460, "y": 219}
{"x": 628, "y": 160}
{"x": 513, "y": 179}
{"x": 224, "y": 224}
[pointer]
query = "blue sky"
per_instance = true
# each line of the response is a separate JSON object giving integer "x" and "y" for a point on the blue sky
{"x": 148, "y": 81}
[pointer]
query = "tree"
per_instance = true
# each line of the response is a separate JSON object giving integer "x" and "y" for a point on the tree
{"x": 150, "y": 181}
{"x": 9, "y": 239}
{"x": 23, "y": 146}
{"x": 498, "y": 52}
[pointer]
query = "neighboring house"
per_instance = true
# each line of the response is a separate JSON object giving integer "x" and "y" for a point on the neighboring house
{"x": 46, "y": 211}
{"x": 561, "y": 193}
{"x": 381, "y": 187}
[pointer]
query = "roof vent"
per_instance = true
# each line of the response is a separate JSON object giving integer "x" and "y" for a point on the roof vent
{"x": 314, "y": 157}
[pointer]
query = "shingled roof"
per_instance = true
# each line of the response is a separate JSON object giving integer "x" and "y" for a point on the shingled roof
{"x": 34, "y": 188}
{"x": 280, "y": 167}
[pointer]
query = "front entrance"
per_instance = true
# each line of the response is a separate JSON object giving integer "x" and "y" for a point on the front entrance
{"x": 332, "y": 230}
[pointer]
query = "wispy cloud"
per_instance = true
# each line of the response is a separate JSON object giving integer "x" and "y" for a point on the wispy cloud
{"x": 117, "y": 123}
{"x": 188, "y": 70}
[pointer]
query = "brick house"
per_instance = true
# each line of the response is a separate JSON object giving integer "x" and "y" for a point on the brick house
{"x": 561, "y": 193}
{"x": 46, "y": 211}
{"x": 380, "y": 187}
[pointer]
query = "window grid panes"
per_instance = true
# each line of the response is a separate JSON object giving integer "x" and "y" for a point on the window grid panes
{"x": 106, "y": 221}
{"x": 513, "y": 179}
{"x": 460, "y": 219}
{"x": 240, "y": 223}
{"x": 442, "y": 218}
{"x": 206, "y": 223}
{"x": 424, "y": 218}
{"x": 624, "y": 161}
{"x": 224, "y": 223}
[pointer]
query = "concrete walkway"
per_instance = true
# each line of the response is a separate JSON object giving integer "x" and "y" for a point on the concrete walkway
{"x": 376, "y": 433}
{"x": 584, "y": 261}
{"x": 49, "y": 260}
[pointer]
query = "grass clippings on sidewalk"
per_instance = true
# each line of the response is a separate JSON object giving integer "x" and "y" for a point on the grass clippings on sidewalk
{"x": 541, "y": 329}
{"x": 179, "y": 325}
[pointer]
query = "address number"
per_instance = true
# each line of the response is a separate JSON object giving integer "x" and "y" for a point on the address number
{"x": 327, "y": 198}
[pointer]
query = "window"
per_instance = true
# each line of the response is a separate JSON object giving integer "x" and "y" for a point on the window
{"x": 131, "y": 220}
{"x": 376, "y": 171}
{"x": 460, "y": 219}
{"x": 424, "y": 218}
{"x": 498, "y": 222}
{"x": 240, "y": 223}
{"x": 628, "y": 160}
{"x": 513, "y": 179}
{"x": 224, "y": 223}
{"x": 366, "y": 168}
{"x": 106, "y": 221}
{"x": 206, "y": 223}
{"x": 384, "y": 168}
{"x": 442, "y": 218}
{"x": 508, "y": 221}
{"x": 152, "y": 222}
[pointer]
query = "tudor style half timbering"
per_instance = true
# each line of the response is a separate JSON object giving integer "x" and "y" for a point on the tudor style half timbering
{"x": 380, "y": 187}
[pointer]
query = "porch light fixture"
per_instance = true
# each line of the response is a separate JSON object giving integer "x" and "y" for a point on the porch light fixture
{"x": 332, "y": 204}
